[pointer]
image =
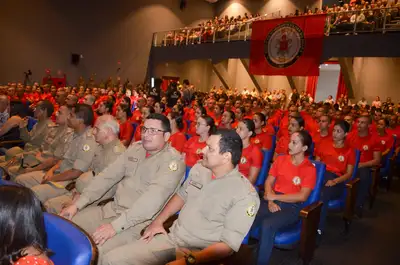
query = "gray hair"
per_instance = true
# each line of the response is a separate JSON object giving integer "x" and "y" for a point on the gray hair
{"x": 108, "y": 121}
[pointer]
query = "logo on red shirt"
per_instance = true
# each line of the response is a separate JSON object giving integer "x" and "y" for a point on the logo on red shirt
{"x": 257, "y": 141}
{"x": 296, "y": 181}
{"x": 383, "y": 142}
{"x": 243, "y": 160}
{"x": 365, "y": 147}
{"x": 341, "y": 158}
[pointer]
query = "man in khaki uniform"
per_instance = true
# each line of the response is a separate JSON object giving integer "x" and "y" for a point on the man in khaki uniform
{"x": 76, "y": 160}
{"x": 105, "y": 131}
{"x": 147, "y": 174}
{"x": 51, "y": 151}
{"x": 33, "y": 139}
{"x": 217, "y": 208}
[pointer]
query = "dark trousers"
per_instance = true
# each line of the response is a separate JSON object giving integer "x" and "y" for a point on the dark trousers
{"x": 327, "y": 194}
{"x": 364, "y": 174}
{"x": 270, "y": 223}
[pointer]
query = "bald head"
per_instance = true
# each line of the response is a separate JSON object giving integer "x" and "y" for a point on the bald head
{"x": 4, "y": 103}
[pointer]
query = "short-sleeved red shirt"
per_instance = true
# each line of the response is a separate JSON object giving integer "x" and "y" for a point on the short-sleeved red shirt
{"x": 335, "y": 159}
{"x": 291, "y": 178}
{"x": 263, "y": 140}
{"x": 193, "y": 150}
{"x": 318, "y": 139}
{"x": 367, "y": 145}
{"x": 251, "y": 157}
{"x": 269, "y": 129}
{"x": 27, "y": 260}
{"x": 126, "y": 131}
{"x": 282, "y": 144}
{"x": 385, "y": 141}
{"x": 138, "y": 133}
{"x": 178, "y": 141}
{"x": 136, "y": 116}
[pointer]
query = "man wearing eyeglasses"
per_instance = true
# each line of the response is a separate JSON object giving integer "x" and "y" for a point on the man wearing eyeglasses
{"x": 146, "y": 175}
{"x": 217, "y": 208}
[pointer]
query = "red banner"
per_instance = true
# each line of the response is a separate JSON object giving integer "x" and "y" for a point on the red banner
{"x": 288, "y": 46}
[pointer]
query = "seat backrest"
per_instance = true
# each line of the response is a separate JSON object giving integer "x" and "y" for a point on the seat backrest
{"x": 187, "y": 136}
{"x": 266, "y": 164}
{"x": 311, "y": 152}
{"x": 316, "y": 193}
{"x": 31, "y": 122}
{"x": 276, "y": 128}
{"x": 355, "y": 170}
{"x": 6, "y": 182}
{"x": 70, "y": 244}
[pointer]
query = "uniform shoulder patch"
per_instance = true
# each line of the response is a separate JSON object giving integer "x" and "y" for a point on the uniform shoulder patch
{"x": 173, "y": 166}
{"x": 86, "y": 147}
{"x": 251, "y": 210}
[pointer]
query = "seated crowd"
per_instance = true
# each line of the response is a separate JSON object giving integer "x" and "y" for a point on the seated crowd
{"x": 113, "y": 160}
{"x": 367, "y": 14}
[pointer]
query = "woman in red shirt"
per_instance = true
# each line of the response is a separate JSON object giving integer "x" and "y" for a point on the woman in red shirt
{"x": 296, "y": 124}
{"x": 22, "y": 225}
{"x": 177, "y": 138}
{"x": 251, "y": 160}
{"x": 125, "y": 126}
{"x": 262, "y": 139}
{"x": 240, "y": 112}
{"x": 339, "y": 160}
{"x": 146, "y": 111}
{"x": 228, "y": 118}
{"x": 386, "y": 140}
{"x": 193, "y": 148}
{"x": 290, "y": 181}
{"x": 200, "y": 111}
{"x": 218, "y": 110}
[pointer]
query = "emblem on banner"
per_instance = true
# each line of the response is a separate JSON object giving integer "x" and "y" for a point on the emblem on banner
{"x": 284, "y": 45}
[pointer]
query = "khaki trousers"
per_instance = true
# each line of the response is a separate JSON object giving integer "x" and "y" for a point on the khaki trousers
{"x": 44, "y": 192}
{"x": 90, "y": 218}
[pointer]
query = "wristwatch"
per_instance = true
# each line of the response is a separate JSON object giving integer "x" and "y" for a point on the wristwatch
{"x": 190, "y": 259}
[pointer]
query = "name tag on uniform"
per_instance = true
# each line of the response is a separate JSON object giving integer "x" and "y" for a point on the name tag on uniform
{"x": 132, "y": 159}
{"x": 196, "y": 184}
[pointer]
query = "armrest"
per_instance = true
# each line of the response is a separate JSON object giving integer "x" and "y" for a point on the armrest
{"x": 11, "y": 142}
{"x": 167, "y": 224}
{"x": 310, "y": 220}
{"x": 375, "y": 171}
{"x": 351, "y": 197}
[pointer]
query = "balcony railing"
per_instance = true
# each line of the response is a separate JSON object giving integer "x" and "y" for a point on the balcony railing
{"x": 379, "y": 20}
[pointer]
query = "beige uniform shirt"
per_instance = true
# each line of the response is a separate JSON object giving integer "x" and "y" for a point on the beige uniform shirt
{"x": 144, "y": 185}
{"x": 36, "y": 136}
{"x": 57, "y": 141}
{"x": 105, "y": 155}
{"x": 219, "y": 210}
{"x": 80, "y": 153}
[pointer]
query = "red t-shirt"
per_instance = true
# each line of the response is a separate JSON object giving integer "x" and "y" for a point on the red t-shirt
{"x": 136, "y": 116}
{"x": 32, "y": 260}
{"x": 178, "y": 141}
{"x": 193, "y": 150}
{"x": 269, "y": 129}
{"x": 282, "y": 145}
{"x": 192, "y": 129}
{"x": 291, "y": 178}
{"x": 126, "y": 131}
{"x": 386, "y": 141}
{"x": 367, "y": 145}
{"x": 138, "y": 133}
{"x": 262, "y": 140}
{"x": 318, "y": 139}
{"x": 335, "y": 159}
{"x": 251, "y": 157}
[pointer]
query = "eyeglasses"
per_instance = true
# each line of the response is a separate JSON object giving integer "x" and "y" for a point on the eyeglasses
{"x": 151, "y": 131}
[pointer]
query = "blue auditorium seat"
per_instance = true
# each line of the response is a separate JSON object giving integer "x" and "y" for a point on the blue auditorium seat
{"x": 187, "y": 136}
{"x": 266, "y": 164}
{"x": 290, "y": 236}
{"x": 70, "y": 244}
{"x": 187, "y": 172}
{"x": 6, "y": 182}
{"x": 311, "y": 152}
{"x": 386, "y": 164}
{"x": 31, "y": 122}
{"x": 339, "y": 204}
{"x": 276, "y": 128}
